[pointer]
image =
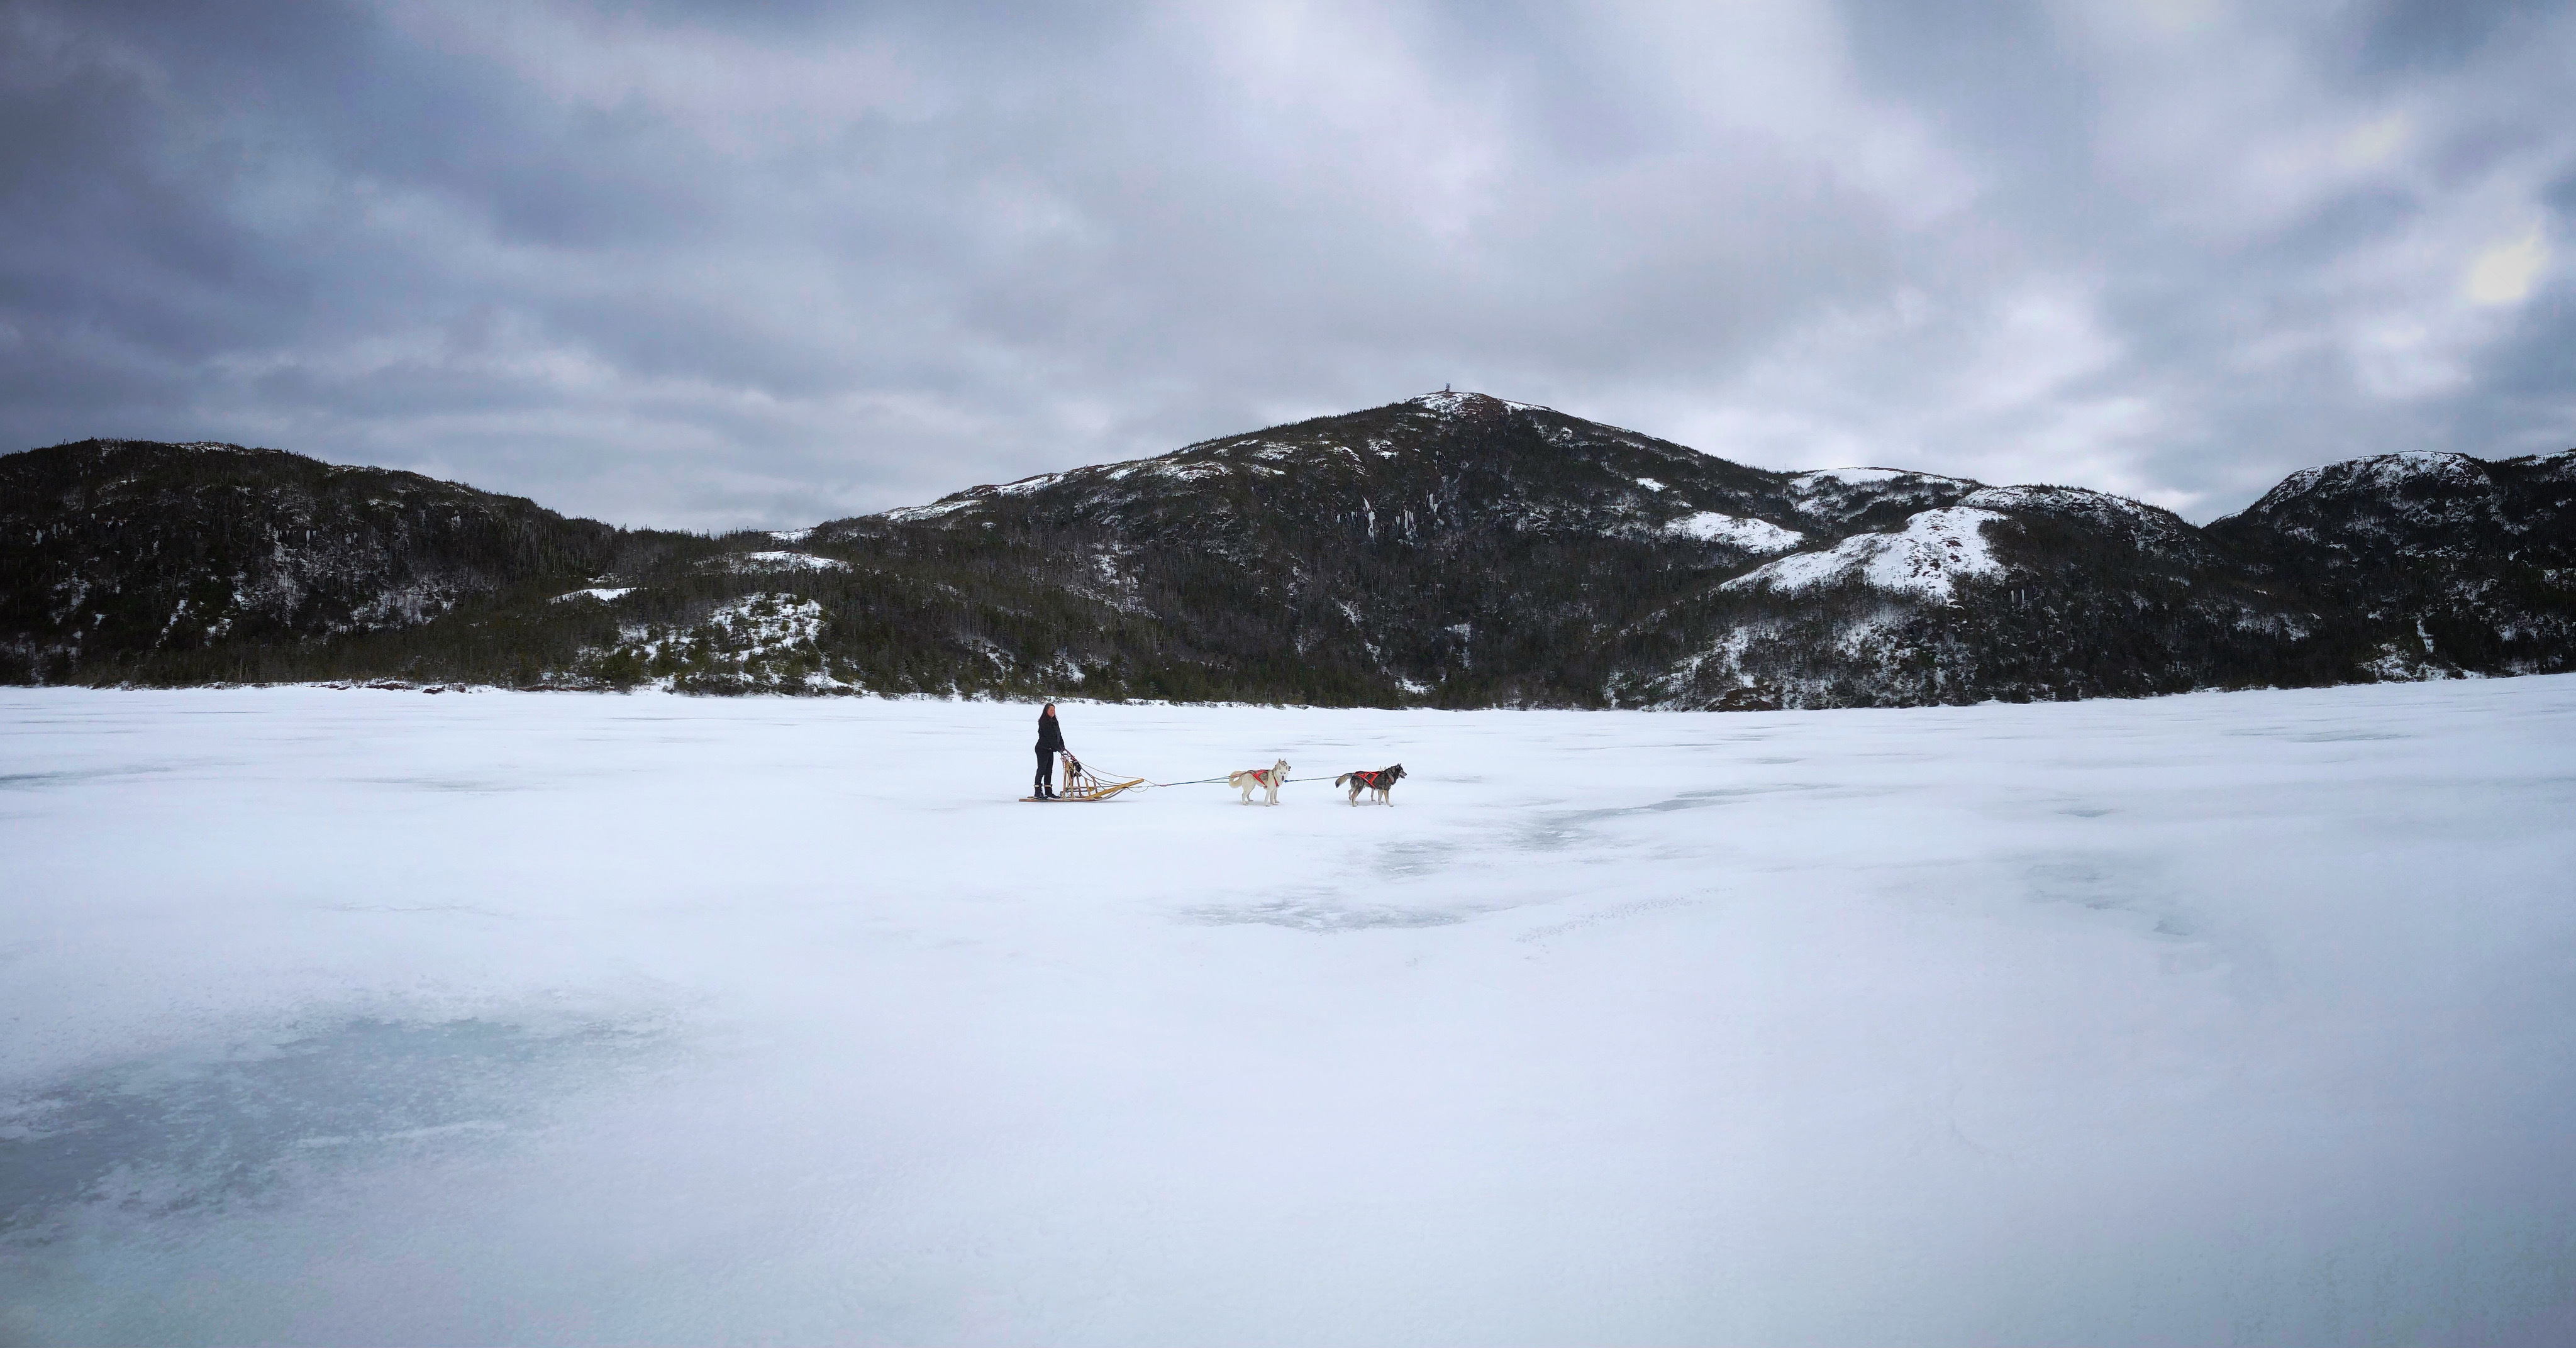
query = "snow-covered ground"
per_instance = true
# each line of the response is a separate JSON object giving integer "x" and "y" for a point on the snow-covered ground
{"x": 365, "y": 1016}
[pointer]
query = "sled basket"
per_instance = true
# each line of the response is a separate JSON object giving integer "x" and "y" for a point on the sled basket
{"x": 1081, "y": 784}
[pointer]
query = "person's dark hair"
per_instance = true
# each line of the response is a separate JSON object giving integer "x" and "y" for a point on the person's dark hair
{"x": 1050, "y": 707}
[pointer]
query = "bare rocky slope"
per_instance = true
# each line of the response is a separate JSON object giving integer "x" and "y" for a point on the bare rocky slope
{"x": 1452, "y": 550}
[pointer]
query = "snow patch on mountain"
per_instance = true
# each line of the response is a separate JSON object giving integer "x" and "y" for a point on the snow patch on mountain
{"x": 1935, "y": 549}
{"x": 1186, "y": 470}
{"x": 1451, "y": 402}
{"x": 758, "y": 624}
{"x": 1824, "y": 477}
{"x": 922, "y": 513}
{"x": 405, "y": 605}
{"x": 601, "y": 593}
{"x": 1844, "y": 497}
{"x": 1445, "y": 403}
{"x": 1754, "y": 536}
{"x": 2068, "y": 500}
{"x": 776, "y": 561}
{"x": 2408, "y": 465}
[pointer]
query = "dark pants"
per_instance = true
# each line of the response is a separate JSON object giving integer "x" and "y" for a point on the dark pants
{"x": 1046, "y": 772}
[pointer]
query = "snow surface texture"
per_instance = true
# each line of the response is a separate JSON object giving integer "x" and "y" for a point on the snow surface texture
{"x": 373, "y": 1017}
{"x": 1934, "y": 549}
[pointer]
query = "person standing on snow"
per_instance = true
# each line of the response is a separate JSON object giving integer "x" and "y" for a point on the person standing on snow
{"x": 1050, "y": 743}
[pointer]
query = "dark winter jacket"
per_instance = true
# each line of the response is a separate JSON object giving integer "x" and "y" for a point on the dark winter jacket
{"x": 1050, "y": 734}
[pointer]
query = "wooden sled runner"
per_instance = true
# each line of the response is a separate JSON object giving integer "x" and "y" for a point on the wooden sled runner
{"x": 1080, "y": 784}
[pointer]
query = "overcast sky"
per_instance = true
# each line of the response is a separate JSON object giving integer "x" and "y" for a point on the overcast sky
{"x": 728, "y": 264}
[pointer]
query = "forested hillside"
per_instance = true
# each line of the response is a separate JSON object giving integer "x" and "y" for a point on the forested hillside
{"x": 1451, "y": 550}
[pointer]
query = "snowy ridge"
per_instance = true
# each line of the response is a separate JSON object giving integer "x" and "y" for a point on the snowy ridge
{"x": 924, "y": 513}
{"x": 2378, "y": 473}
{"x": 1934, "y": 550}
{"x": 1846, "y": 477}
{"x": 1022, "y": 487}
{"x": 2069, "y": 500}
{"x": 2101, "y": 508}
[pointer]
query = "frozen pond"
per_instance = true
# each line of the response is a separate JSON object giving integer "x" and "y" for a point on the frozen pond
{"x": 372, "y": 1016}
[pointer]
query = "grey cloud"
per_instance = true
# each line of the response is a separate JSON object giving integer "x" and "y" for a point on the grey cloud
{"x": 718, "y": 265}
{"x": 2416, "y": 35}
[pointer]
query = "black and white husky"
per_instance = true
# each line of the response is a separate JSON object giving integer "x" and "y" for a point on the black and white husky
{"x": 1251, "y": 778}
{"x": 1376, "y": 783}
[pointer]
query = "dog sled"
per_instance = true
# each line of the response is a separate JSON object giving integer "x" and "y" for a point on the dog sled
{"x": 1081, "y": 784}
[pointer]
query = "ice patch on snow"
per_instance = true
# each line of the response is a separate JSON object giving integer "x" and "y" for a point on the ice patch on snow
{"x": 161, "y": 1137}
{"x": 1933, "y": 550}
{"x": 1323, "y": 914}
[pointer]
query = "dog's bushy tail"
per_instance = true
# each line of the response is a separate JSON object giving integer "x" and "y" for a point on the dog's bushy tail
{"x": 1343, "y": 778}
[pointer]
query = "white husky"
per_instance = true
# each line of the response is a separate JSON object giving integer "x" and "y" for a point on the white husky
{"x": 1268, "y": 777}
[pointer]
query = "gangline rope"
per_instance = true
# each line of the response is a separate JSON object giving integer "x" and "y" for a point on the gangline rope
{"x": 1195, "y": 781}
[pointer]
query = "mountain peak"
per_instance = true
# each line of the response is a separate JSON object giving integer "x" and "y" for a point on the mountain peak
{"x": 2376, "y": 475}
{"x": 1461, "y": 403}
